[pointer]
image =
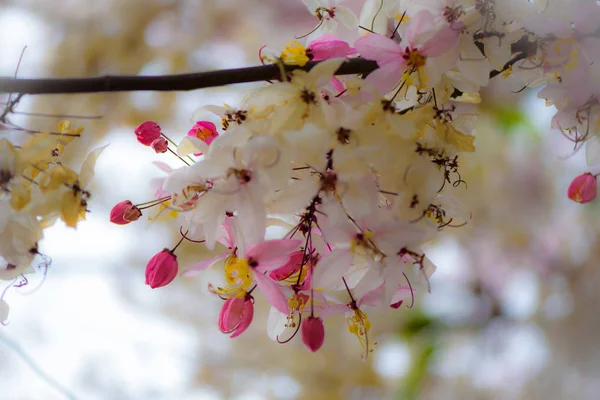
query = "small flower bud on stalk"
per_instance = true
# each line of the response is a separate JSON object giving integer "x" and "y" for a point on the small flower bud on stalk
{"x": 313, "y": 333}
{"x": 160, "y": 145}
{"x": 583, "y": 189}
{"x": 147, "y": 132}
{"x": 236, "y": 315}
{"x": 124, "y": 213}
{"x": 161, "y": 269}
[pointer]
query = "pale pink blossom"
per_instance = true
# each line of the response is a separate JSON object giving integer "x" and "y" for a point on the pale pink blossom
{"x": 412, "y": 54}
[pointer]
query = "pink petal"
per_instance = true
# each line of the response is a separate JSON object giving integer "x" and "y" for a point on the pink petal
{"x": 337, "y": 84}
{"x": 419, "y": 24}
{"x": 331, "y": 309}
{"x": 442, "y": 42}
{"x": 385, "y": 78}
{"x": 272, "y": 249}
{"x": 246, "y": 319}
{"x": 202, "y": 265}
{"x": 402, "y": 293}
{"x": 379, "y": 48}
{"x": 272, "y": 292}
{"x": 372, "y": 298}
{"x": 331, "y": 268}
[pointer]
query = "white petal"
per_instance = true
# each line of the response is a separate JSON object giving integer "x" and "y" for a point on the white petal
{"x": 592, "y": 151}
{"x": 346, "y": 17}
{"x": 3, "y": 311}
{"x": 331, "y": 268}
{"x": 191, "y": 145}
{"x": 87, "y": 168}
{"x": 321, "y": 73}
{"x": 276, "y": 323}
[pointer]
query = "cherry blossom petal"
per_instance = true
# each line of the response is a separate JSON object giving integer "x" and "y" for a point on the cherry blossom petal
{"x": 331, "y": 268}
{"x": 346, "y": 17}
{"x": 203, "y": 265}
{"x": 276, "y": 323}
{"x": 419, "y": 24}
{"x": 441, "y": 42}
{"x": 246, "y": 319}
{"x": 386, "y": 77}
{"x": 272, "y": 292}
{"x": 379, "y": 48}
{"x": 272, "y": 249}
{"x": 321, "y": 74}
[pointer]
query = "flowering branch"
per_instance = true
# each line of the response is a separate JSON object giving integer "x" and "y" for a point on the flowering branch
{"x": 180, "y": 82}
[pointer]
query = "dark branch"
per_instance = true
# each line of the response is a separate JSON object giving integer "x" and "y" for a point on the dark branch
{"x": 523, "y": 49}
{"x": 168, "y": 82}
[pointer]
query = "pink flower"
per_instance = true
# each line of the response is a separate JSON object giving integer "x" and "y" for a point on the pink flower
{"x": 394, "y": 59}
{"x": 147, "y": 132}
{"x": 124, "y": 213}
{"x": 583, "y": 189}
{"x": 236, "y": 315}
{"x": 328, "y": 46}
{"x": 267, "y": 257}
{"x": 160, "y": 145}
{"x": 289, "y": 272}
{"x": 313, "y": 333}
{"x": 205, "y": 131}
{"x": 161, "y": 269}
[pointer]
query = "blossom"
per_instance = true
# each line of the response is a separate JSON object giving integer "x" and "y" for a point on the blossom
{"x": 206, "y": 131}
{"x": 236, "y": 315}
{"x": 254, "y": 265}
{"x": 329, "y": 13}
{"x": 313, "y": 333}
{"x": 395, "y": 59}
{"x": 147, "y": 132}
{"x": 124, "y": 212}
{"x": 161, "y": 269}
{"x": 584, "y": 188}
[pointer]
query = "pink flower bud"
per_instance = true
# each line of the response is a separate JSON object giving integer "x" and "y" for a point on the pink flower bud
{"x": 236, "y": 315}
{"x": 205, "y": 131}
{"x": 161, "y": 269}
{"x": 583, "y": 189}
{"x": 160, "y": 145}
{"x": 124, "y": 213}
{"x": 313, "y": 333}
{"x": 328, "y": 46}
{"x": 147, "y": 132}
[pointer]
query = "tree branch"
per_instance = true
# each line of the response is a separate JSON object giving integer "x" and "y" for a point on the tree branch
{"x": 181, "y": 82}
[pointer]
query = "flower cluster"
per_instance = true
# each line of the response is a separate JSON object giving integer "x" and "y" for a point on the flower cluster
{"x": 37, "y": 189}
{"x": 320, "y": 192}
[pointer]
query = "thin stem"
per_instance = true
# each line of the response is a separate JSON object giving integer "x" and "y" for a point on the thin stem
{"x": 162, "y": 199}
{"x": 177, "y": 155}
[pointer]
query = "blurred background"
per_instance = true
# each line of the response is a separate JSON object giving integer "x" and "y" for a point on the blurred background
{"x": 512, "y": 313}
